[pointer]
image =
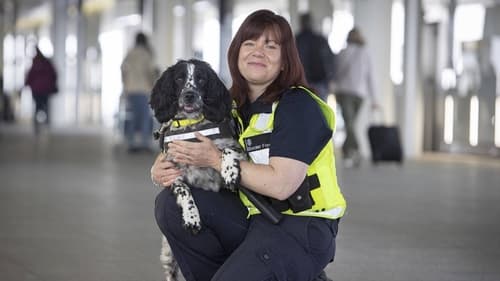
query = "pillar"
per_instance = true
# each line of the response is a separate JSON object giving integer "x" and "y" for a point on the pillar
{"x": 375, "y": 27}
{"x": 412, "y": 126}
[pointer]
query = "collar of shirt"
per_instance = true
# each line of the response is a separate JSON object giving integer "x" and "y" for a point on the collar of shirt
{"x": 255, "y": 107}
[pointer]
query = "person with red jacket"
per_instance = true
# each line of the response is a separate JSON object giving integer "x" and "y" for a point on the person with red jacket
{"x": 42, "y": 79}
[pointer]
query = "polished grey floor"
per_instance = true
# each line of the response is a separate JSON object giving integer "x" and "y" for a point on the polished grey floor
{"x": 75, "y": 206}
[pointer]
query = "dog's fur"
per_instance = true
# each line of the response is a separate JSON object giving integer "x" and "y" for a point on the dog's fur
{"x": 191, "y": 90}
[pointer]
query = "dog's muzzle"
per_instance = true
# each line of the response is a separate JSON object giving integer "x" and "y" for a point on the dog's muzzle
{"x": 190, "y": 101}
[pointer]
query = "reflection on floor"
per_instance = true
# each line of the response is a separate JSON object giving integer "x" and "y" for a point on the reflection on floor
{"x": 75, "y": 206}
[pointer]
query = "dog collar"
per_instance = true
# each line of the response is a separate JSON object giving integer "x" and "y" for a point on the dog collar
{"x": 179, "y": 123}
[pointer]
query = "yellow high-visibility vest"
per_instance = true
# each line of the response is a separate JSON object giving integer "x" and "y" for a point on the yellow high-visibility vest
{"x": 328, "y": 199}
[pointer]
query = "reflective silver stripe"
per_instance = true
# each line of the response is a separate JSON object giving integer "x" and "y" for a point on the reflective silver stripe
{"x": 260, "y": 156}
{"x": 186, "y": 136}
{"x": 332, "y": 213}
{"x": 262, "y": 121}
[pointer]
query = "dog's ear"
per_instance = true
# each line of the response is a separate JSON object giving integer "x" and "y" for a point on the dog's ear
{"x": 218, "y": 105}
{"x": 163, "y": 98}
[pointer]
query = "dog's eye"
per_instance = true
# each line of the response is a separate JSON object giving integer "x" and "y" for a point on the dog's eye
{"x": 201, "y": 81}
{"x": 179, "y": 80}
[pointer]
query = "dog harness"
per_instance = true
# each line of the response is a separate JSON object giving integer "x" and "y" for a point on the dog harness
{"x": 319, "y": 195}
{"x": 184, "y": 129}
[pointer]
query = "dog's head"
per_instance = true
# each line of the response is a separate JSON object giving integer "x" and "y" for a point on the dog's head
{"x": 189, "y": 90}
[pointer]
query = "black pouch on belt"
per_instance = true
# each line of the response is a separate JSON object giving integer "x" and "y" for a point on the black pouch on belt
{"x": 301, "y": 199}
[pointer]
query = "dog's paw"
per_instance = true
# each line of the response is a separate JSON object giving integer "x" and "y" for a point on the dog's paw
{"x": 193, "y": 227}
{"x": 231, "y": 187}
{"x": 191, "y": 220}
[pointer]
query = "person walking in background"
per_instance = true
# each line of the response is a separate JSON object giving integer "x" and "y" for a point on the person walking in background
{"x": 138, "y": 75}
{"x": 316, "y": 57}
{"x": 42, "y": 79}
{"x": 354, "y": 81}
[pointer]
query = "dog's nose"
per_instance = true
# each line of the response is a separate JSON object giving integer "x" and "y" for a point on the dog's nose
{"x": 189, "y": 97}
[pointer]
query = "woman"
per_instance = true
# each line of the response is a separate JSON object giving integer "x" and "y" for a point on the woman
{"x": 291, "y": 157}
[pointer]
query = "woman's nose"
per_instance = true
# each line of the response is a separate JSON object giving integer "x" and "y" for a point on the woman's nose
{"x": 258, "y": 51}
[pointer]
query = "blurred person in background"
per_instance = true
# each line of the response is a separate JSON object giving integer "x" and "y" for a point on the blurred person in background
{"x": 316, "y": 57}
{"x": 353, "y": 83}
{"x": 42, "y": 79}
{"x": 138, "y": 75}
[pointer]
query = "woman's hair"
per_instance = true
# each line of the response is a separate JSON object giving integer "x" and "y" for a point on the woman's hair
{"x": 292, "y": 74}
{"x": 354, "y": 37}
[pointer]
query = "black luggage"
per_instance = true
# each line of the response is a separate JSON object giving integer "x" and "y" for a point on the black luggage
{"x": 385, "y": 143}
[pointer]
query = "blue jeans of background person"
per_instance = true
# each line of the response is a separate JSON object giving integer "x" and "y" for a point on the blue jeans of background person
{"x": 138, "y": 120}
{"x": 231, "y": 246}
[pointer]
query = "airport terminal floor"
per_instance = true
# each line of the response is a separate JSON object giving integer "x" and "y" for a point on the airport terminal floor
{"x": 74, "y": 205}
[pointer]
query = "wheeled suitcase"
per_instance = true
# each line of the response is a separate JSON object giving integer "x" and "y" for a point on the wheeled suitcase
{"x": 385, "y": 143}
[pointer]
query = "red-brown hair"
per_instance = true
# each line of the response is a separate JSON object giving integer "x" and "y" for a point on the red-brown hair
{"x": 256, "y": 24}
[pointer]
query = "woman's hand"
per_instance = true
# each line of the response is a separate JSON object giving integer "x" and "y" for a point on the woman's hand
{"x": 163, "y": 172}
{"x": 201, "y": 154}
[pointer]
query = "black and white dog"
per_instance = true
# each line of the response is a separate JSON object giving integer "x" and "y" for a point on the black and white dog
{"x": 189, "y": 97}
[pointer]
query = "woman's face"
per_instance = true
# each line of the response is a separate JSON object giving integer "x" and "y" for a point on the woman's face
{"x": 259, "y": 60}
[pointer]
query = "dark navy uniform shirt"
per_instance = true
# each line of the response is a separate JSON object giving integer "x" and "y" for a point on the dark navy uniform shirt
{"x": 300, "y": 129}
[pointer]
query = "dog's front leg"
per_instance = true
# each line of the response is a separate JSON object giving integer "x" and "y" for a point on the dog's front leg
{"x": 168, "y": 261}
{"x": 190, "y": 214}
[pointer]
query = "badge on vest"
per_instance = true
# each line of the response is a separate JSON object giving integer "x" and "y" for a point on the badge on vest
{"x": 258, "y": 142}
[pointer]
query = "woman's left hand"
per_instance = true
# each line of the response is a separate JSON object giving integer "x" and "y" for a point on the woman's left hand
{"x": 201, "y": 154}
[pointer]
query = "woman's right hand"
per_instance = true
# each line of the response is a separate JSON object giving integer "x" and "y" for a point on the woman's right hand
{"x": 163, "y": 172}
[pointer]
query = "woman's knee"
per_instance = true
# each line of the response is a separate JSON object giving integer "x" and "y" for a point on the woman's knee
{"x": 166, "y": 211}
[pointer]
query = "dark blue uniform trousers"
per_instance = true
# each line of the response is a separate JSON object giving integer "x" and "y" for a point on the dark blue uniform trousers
{"x": 232, "y": 247}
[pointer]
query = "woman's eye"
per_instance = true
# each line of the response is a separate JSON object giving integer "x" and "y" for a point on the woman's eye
{"x": 272, "y": 45}
{"x": 248, "y": 43}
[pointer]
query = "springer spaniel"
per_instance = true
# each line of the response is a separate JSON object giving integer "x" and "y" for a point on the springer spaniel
{"x": 190, "y": 97}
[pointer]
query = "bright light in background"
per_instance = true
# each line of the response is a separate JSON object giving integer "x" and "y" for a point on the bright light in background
{"x": 211, "y": 53}
{"x": 128, "y": 20}
{"x": 71, "y": 45}
{"x": 343, "y": 22}
{"x": 112, "y": 55}
{"x": 9, "y": 56}
{"x": 179, "y": 10}
{"x": 207, "y": 33}
{"x": 448, "y": 119}
{"x": 473, "y": 121}
{"x": 448, "y": 79}
{"x": 397, "y": 42}
{"x": 469, "y": 22}
{"x": 497, "y": 121}
{"x": 468, "y": 26}
{"x": 332, "y": 102}
{"x": 45, "y": 45}
{"x": 201, "y": 6}
{"x": 237, "y": 21}
{"x": 21, "y": 61}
